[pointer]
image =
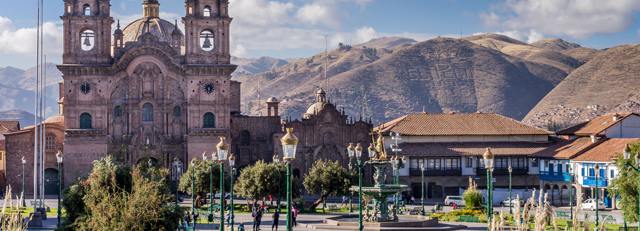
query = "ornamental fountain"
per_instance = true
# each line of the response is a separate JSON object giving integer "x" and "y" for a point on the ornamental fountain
{"x": 379, "y": 215}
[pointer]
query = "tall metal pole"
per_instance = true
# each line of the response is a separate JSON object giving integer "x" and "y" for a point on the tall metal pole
{"x": 59, "y": 192}
{"x": 233, "y": 174}
{"x": 571, "y": 196}
{"x": 221, "y": 195}
{"x": 360, "y": 224}
{"x": 638, "y": 200}
{"x": 210, "y": 218}
{"x": 510, "y": 198}
{"x": 22, "y": 192}
{"x": 422, "y": 189}
{"x": 597, "y": 197}
{"x": 289, "y": 207}
{"x": 193, "y": 200}
{"x": 488, "y": 198}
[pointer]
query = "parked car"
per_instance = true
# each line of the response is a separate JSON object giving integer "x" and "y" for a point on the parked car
{"x": 507, "y": 202}
{"x": 590, "y": 204}
{"x": 450, "y": 200}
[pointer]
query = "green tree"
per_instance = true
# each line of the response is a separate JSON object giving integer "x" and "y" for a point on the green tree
{"x": 327, "y": 178}
{"x": 260, "y": 180}
{"x": 116, "y": 197}
{"x": 626, "y": 184}
{"x": 201, "y": 174}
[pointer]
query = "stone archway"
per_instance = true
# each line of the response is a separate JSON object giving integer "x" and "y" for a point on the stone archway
{"x": 51, "y": 180}
{"x": 144, "y": 161}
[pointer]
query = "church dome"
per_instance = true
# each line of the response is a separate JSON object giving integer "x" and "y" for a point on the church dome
{"x": 161, "y": 28}
{"x": 315, "y": 108}
{"x": 57, "y": 120}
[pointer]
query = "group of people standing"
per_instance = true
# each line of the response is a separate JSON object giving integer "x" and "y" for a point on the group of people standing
{"x": 258, "y": 211}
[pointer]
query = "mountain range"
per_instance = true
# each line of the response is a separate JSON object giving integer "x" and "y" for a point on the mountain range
{"x": 550, "y": 81}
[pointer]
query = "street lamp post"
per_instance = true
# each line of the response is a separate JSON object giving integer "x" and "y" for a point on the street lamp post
{"x": 597, "y": 169}
{"x": 223, "y": 149}
{"x": 351, "y": 153}
{"x": 571, "y": 175}
{"x": 59, "y": 161}
{"x": 213, "y": 158}
{"x": 510, "y": 198}
{"x": 627, "y": 156}
{"x": 422, "y": 168}
{"x": 289, "y": 144}
{"x": 488, "y": 164}
{"x": 232, "y": 164}
{"x": 24, "y": 161}
{"x": 193, "y": 192}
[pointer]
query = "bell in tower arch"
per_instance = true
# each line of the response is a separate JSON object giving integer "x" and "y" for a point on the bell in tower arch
{"x": 207, "y": 42}
{"x": 86, "y": 41}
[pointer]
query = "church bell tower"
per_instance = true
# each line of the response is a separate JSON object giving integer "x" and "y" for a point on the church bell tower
{"x": 207, "y": 31}
{"x": 87, "y": 32}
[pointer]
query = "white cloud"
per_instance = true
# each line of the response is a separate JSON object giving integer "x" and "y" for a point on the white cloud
{"x": 526, "y": 36}
{"x": 239, "y": 51}
{"x": 22, "y": 41}
{"x": 316, "y": 14}
{"x": 365, "y": 34}
{"x": 575, "y": 18}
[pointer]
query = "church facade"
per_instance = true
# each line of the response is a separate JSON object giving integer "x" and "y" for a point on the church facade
{"x": 152, "y": 92}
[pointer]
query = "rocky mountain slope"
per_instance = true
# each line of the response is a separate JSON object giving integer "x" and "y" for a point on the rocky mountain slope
{"x": 17, "y": 89}
{"x": 483, "y": 73}
{"x": 607, "y": 83}
{"x": 25, "y": 118}
{"x": 248, "y": 66}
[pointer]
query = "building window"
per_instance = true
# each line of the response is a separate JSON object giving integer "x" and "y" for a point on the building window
{"x": 245, "y": 138}
{"x": 414, "y": 164}
{"x": 534, "y": 162}
{"x": 612, "y": 174}
{"x": 209, "y": 120}
{"x": 50, "y": 143}
{"x": 177, "y": 111}
{"x": 87, "y": 10}
{"x": 207, "y": 11}
{"x": 147, "y": 112}
{"x": 85, "y": 121}
{"x": 469, "y": 162}
{"x": 87, "y": 40}
{"x": 117, "y": 111}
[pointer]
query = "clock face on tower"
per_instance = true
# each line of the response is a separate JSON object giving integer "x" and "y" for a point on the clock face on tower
{"x": 208, "y": 88}
{"x": 85, "y": 88}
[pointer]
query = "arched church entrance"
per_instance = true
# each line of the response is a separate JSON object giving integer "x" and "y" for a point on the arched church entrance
{"x": 51, "y": 181}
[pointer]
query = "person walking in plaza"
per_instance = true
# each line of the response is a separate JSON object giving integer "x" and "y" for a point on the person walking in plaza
{"x": 294, "y": 215}
{"x": 276, "y": 220}
{"x": 254, "y": 214}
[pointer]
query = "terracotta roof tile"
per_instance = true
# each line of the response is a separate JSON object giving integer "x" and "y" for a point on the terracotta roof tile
{"x": 606, "y": 150}
{"x": 596, "y": 125}
{"x": 567, "y": 149}
{"x": 472, "y": 148}
{"x": 427, "y": 124}
{"x": 9, "y": 126}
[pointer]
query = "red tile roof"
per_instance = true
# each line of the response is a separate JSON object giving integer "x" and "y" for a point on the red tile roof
{"x": 567, "y": 149}
{"x": 9, "y": 126}
{"x": 427, "y": 124}
{"x": 596, "y": 125}
{"x": 606, "y": 150}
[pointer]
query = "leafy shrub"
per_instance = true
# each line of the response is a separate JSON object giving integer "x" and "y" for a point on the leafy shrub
{"x": 472, "y": 197}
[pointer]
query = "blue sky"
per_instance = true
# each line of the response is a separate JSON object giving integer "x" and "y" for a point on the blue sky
{"x": 297, "y": 28}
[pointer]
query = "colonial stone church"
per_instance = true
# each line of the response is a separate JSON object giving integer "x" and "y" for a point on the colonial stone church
{"x": 152, "y": 92}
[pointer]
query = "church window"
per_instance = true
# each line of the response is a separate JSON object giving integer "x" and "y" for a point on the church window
{"x": 177, "y": 111}
{"x": 207, "y": 11}
{"x": 50, "y": 143}
{"x": 85, "y": 121}
{"x": 85, "y": 88}
{"x": 117, "y": 111}
{"x": 87, "y": 40}
{"x": 209, "y": 120}
{"x": 87, "y": 10}
{"x": 207, "y": 40}
{"x": 147, "y": 112}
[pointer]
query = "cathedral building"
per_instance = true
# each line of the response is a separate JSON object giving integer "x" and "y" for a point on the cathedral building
{"x": 151, "y": 92}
